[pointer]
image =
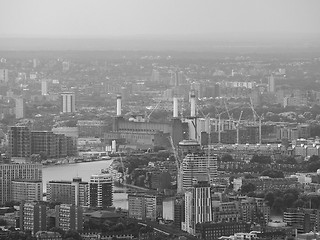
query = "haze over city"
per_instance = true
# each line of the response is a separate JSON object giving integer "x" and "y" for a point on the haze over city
{"x": 160, "y": 21}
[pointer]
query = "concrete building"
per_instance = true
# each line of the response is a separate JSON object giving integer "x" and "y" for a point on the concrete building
{"x": 73, "y": 192}
{"x": 69, "y": 217}
{"x": 10, "y": 172}
{"x": 271, "y": 84}
{"x": 145, "y": 206}
{"x": 91, "y": 128}
{"x": 19, "y": 142}
{"x": 198, "y": 208}
{"x": 100, "y": 190}
{"x": 20, "y": 108}
{"x": 4, "y": 75}
{"x": 33, "y": 217}
{"x": 213, "y": 231}
{"x": 27, "y": 190}
{"x": 44, "y": 87}
{"x": 68, "y": 102}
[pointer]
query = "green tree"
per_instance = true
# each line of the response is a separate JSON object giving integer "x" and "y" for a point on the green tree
{"x": 246, "y": 188}
{"x": 269, "y": 198}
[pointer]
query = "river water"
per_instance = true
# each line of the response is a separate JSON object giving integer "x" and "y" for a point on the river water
{"x": 84, "y": 170}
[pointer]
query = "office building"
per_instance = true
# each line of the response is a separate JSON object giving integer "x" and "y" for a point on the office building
{"x": 19, "y": 142}
{"x": 69, "y": 217}
{"x": 155, "y": 76}
{"x": 271, "y": 84}
{"x": 68, "y": 102}
{"x": 75, "y": 192}
{"x": 100, "y": 190}
{"x": 44, "y": 87}
{"x": 213, "y": 231}
{"x": 145, "y": 206}
{"x": 10, "y": 172}
{"x": 4, "y": 75}
{"x": 20, "y": 108}
{"x": 27, "y": 190}
{"x": 198, "y": 206}
{"x": 33, "y": 217}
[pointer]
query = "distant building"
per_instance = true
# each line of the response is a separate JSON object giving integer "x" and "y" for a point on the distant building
{"x": 10, "y": 172}
{"x": 4, "y": 75}
{"x": 19, "y": 142}
{"x": 69, "y": 217}
{"x": 145, "y": 206}
{"x": 100, "y": 190}
{"x": 44, "y": 87}
{"x": 91, "y": 128}
{"x": 27, "y": 190}
{"x": 73, "y": 192}
{"x": 20, "y": 108}
{"x": 271, "y": 84}
{"x": 68, "y": 102}
{"x": 33, "y": 217}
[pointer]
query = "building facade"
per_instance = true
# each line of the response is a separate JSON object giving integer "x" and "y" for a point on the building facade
{"x": 10, "y": 172}
{"x": 100, "y": 190}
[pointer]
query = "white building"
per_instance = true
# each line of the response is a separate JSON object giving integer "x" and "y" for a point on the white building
{"x": 68, "y": 102}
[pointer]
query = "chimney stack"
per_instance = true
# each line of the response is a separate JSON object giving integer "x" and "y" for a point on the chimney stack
{"x": 118, "y": 106}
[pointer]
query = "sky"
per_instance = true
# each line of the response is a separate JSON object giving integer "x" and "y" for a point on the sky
{"x": 122, "y": 18}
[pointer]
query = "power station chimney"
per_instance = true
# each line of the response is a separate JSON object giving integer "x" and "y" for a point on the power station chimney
{"x": 175, "y": 107}
{"x": 193, "y": 104}
{"x": 118, "y": 105}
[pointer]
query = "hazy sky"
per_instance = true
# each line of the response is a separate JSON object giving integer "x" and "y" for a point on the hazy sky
{"x": 105, "y": 18}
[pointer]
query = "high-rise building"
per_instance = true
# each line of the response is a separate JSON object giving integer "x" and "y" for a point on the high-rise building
{"x": 198, "y": 167}
{"x": 33, "y": 217}
{"x": 74, "y": 192}
{"x": 155, "y": 76}
{"x": 44, "y": 87}
{"x": 145, "y": 206}
{"x": 27, "y": 190}
{"x": 198, "y": 207}
{"x": 19, "y": 142}
{"x": 65, "y": 66}
{"x": 69, "y": 217}
{"x": 20, "y": 108}
{"x": 4, "y": 75}
{"x": 271, "y": 84}
{"x": 100, "y": 190}
{"x": 68, "y": 102}
{"x": 10, "y": 172}
{"x": 44, "y": 142}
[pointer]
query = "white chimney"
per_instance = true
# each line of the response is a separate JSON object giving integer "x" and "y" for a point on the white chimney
{"x": 175, "y": 107}
{"x": 193, "y": 104}
{"x": 118, "y": 106}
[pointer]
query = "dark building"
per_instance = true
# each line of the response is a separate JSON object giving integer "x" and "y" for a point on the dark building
{"x": 33, "y": 217}
{"x": 179, "y": 211}
{"x": 19, "y": 142}
{"x": 100, "y": 190}
{"x": 212, "y": 231}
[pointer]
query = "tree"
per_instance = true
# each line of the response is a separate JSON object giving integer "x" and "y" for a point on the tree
{"x": 227, "y": 158}
{"x": 272, "y": 173}
{"x": 269, "y": 198}
{"x": 261, "y": 159}
{"x": 278, "y": 205}
{"x": 246, "y": 188}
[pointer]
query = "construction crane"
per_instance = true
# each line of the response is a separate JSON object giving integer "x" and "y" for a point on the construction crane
{"x": 148, "y": 117}
{"x": 178, "y": 164}
{"x": 238, "y": 128}
{"x": 260, "y": 118}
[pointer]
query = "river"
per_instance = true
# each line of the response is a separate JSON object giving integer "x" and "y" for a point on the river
{"x": 84, "y": 170}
